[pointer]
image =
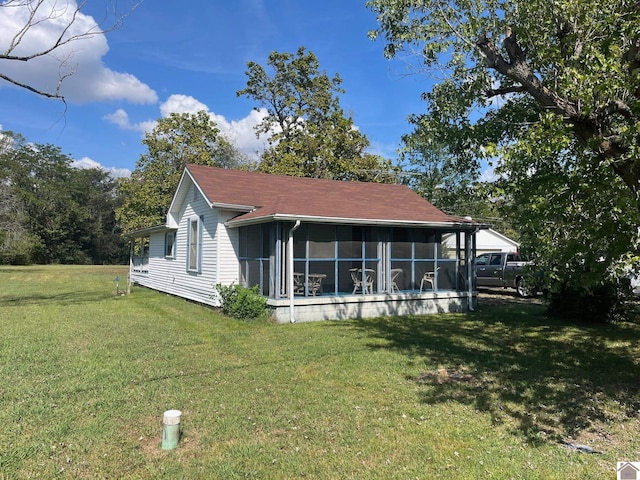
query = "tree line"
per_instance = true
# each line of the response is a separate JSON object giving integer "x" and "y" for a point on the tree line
{"x": 51, "y": 212}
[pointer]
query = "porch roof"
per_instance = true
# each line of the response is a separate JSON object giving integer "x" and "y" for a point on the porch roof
{"x": 267, "y": 197}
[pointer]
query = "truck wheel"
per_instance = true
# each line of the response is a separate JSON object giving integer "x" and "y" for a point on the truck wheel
{"x": 521, "y": 288}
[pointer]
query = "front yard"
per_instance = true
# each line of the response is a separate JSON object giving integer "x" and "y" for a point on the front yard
{"x": 497, "y": 393}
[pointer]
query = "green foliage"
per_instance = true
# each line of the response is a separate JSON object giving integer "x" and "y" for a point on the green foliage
{"x": 608, "y": 302}
{"x": 177, "y": 140}
{"x": 548, "y": 93}
{"x": 54, "y": 213}
{"x": 310, "y": 136}
{"x": 241, "y": 302}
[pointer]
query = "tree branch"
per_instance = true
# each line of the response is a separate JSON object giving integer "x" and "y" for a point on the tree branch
{"x": 494, "y": 92}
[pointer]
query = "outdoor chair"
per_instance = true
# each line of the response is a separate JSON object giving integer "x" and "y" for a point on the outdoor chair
{"x": 315, "y": 283}
{"x": 298, "y": 283}
{"x": 395, "y": 273}
{"x": 430, "y": 278}
{"x": 362, "y": 281}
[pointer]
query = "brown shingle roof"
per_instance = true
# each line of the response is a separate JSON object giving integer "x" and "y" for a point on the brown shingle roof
{"x": 290, "y": 197}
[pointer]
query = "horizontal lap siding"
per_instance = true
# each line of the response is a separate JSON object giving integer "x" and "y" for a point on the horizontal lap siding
{"x": 227, "y": 242}
{"x": 170, "y": 275}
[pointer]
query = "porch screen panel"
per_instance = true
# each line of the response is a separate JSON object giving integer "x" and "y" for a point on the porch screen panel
{"x": 402, "y": 245}
{"x": 328, "y": 268}
{"x": 322, "y": 241}
{"x": 425, "y": 243}
{"x": 255, "y": 256}
{"x": 448, "y": 275}
{"x": 371, "y": 244}
{"x": 422, "y": 267}
{"x": 254, "y": 241}
{"x": 350, "y": 242}
{"x": 253, "y": 274}
{"x": 300, "y": 242}
{"x": 345, "y": 282}
{"x": 404, "y": 280}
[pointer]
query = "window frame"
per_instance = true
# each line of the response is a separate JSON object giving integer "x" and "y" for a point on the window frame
{"x": 194, "y": 240}
{"x": 170, "y": 244}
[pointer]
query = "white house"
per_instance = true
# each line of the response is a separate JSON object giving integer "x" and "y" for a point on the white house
{"x": 317, "y": 249}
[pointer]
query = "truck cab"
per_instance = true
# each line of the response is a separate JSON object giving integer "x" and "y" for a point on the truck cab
{"x": 501, "y": 269}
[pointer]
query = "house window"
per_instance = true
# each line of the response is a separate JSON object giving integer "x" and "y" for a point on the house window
{"x": 170, "y": 244}
{"x": 195, "y": 244}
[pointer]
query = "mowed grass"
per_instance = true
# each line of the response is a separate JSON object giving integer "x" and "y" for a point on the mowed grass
{"x": 493, "y": 394}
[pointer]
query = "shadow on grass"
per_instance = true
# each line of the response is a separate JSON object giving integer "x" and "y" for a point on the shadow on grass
{"x": 548, "y": 380}
{"x": 64, "y": 298}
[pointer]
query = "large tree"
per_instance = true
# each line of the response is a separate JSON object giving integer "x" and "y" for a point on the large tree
{"x": 309, "y": 134}
{"x": 549, "y": 91}
{"x": 177, "y": 140}
{"x": 52, "y": 29}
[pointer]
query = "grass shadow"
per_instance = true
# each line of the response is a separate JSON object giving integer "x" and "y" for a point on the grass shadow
{"x": 547, "y": 379}
{"x": 63, "y": 298}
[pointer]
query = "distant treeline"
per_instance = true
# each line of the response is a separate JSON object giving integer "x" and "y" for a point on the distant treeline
{"x": 51, "y": 212}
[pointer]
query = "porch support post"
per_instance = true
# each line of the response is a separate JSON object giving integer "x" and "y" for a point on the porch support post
{"x": 470, "y": 247}
{"x": 292, "y": 317}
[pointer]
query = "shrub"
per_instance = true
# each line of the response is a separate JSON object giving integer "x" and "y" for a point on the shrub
{"x": 607, "y": 302}
{"x": 241, "y": 302}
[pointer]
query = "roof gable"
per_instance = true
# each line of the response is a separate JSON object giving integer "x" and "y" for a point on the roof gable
{"x": 276, "y": 196}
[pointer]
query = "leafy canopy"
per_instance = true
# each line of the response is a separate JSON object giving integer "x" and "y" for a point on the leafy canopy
{"x": 310, "y": 136}
{"x": 549, "y": 93}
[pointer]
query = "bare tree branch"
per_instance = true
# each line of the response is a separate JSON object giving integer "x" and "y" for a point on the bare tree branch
{"x": 41, "y": 12}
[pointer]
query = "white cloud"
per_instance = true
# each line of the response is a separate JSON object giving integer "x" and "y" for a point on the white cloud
{"x": 240, "y": 132}
{"x": 88, "y": 163}
{"x": 88, "y": 78}
{"x": 121, "y": 119}
{"x": 178, "y": 103}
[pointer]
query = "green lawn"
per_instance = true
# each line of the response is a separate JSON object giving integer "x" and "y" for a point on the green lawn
{"x": 87, "y": 375}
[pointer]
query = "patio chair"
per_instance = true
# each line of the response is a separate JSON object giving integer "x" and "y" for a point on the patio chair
{"x": 430, "y": 278}
{"x": 362, "y": 281}
{"x": 395, "y": 273}
{"x": 298, "y": 283}
{"x": 315, "y": 283}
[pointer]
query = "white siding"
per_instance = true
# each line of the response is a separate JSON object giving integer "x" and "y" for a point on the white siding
{"x": 219, "y": 261}
{"x": 227, "y": 242}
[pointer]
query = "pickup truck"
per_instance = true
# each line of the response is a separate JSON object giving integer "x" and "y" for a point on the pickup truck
{"x": 502, "y": 269}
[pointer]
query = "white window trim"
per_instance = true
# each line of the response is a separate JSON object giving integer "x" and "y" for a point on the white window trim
{"x": 198, "y": 245}
{"x": 173, "y": 236}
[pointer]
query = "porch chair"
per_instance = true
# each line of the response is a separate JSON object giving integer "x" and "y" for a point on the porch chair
{"x": 395, "y": 273}
{"x": 298, "y": 283}
{"x": 429, "y": 277}
{"x": 362, "y": 281}
{"x": 315, "y": 283}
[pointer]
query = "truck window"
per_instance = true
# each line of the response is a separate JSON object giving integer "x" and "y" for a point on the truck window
{"x": 482, "y": 259}
{"x": 496, "y": 259}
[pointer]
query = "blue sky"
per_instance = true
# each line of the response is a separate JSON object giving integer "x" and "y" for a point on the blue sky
{"x": 186, "y": 56}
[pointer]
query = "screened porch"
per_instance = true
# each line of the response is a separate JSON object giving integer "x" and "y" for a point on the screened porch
{"x": 332, "y": 260}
